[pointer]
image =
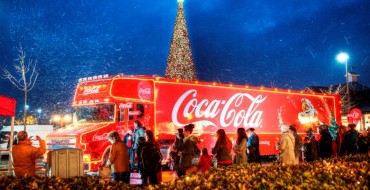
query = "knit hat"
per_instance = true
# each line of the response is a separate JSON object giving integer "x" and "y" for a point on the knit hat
{"x": 284, "y": 128}
{"x": 22, "y": 135}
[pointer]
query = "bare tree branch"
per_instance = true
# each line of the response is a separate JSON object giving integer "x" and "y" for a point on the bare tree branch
{"x": 28, "y": 74}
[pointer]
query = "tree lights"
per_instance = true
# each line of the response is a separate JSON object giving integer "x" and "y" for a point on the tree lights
{"x": 180, "y": 64}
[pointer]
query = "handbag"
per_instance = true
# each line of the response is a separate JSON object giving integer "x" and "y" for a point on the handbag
{"x": 105, "y": 172}
{"x": 159, "y": 177}
{"x": 225, "y": 162}
{"x": 191, "y": 170}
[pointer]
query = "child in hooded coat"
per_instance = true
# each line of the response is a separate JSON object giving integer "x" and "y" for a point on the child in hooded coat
{"x": 205, "y": 161}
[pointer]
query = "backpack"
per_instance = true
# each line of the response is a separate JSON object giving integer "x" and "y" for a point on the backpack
{"x": 196, "y": 151}
{"x": 151, "y": 158}
{"x": 298, "y": 143}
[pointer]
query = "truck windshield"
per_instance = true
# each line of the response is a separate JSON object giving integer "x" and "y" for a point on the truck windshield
{"x": 95, "y": 113}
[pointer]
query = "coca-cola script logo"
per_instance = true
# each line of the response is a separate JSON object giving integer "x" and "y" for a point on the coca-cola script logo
{"x": 126, "y": 105}
{"x": 145, "y": 90}
{"x": 354, "y": 116}
{"x": 100, "y": 137}
{"x": 241, "y": 109}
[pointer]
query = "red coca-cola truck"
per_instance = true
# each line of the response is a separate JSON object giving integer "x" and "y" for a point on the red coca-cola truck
{"x": 104, "y": 103}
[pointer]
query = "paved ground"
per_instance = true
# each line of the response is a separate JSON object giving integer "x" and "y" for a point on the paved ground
{"x": 166, "y": 177}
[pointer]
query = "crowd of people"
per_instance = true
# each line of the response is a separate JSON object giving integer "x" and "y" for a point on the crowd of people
{"x": 139, "y": 150}
{"x": 245, "y": 150}
{"x": 345, "y": 141}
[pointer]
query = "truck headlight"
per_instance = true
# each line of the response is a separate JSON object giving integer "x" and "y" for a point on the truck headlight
{"x": 86, "y": 158}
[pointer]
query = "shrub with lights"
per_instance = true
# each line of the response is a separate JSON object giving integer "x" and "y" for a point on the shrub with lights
{"x": 349, "y": 172}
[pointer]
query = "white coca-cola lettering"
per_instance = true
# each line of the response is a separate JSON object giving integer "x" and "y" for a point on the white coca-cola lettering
{"x": 101, "y": 137}
{"x": 249, "y": 118}
{"x": 265, "y": 142}
{"x": 353, "y": 115}
{"x": 91, "y": 91}
{"x": 126, "y": 105}
{"x": 146, "y": 91}
{"x": 229, "y": 115}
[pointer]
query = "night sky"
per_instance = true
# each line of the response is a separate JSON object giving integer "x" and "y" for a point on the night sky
{"x": 284, "y": 44}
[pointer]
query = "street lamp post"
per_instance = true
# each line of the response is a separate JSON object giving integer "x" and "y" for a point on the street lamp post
{"x": 39, "y": 113}
{"x": 343, "y": 58}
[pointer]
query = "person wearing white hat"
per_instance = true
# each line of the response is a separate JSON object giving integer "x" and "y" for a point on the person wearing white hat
{"x": 286, "y": 146}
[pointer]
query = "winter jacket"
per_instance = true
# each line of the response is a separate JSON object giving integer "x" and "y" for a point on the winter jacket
{"x": 178, "y": 143}
{"x": 139, "y": 132}
{"x": 204, "y": 163}
{"x": 143, "y": 158}
{"x": 325, "y": 145}
{"x": 297, "y": 147}
{"x": 222, "y": 152}
{"x": 128, "y": 140}
{"x": 298, "y": 143}
{"x": 286, "y": 146}
{"x": 363, "y": 144}
{"x": 175, "y": 150}
{"x": 241, "y": 157}
{"x": 350, "y": 142}
{"x": 118, "y": 157}
{"x": 24, "y": 157}
{"x": 311, "y": 149}
{"x": 187, "y": 151}
{"x": 253, "y": 149}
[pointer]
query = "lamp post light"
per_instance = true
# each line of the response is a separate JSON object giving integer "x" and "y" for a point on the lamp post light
{"x": 343, "y": 58}
{"x": 39, "y": 112}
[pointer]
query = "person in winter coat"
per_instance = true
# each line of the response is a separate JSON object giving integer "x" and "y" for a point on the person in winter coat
{"x": 297, "y": 144}
{"x": 286, "y": 146}
{"x": 350, "y": 141}
{"x": 128, "y": 140}
{"x": 175, "y": 147}
{"x": 139, "y": 131}
{"x": 152, "y": 176}
{"x": 140, "y": 164}
{"x": 222, "y": 149}
{"x": 240, "y": 148}
{"x": 253, "y": 147}
{"x": 25, "y": 155}
{"x": 325, "y": 143}
{"x": 363, "y": 142}
{"x": 187, "y": 149}
{"x": 205, "y": 161}
{"x": 118, "y": 158}
{"x": 311, "y": 147}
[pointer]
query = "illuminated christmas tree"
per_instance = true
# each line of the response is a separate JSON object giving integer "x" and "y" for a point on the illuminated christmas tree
{"x": 180, "y": 64}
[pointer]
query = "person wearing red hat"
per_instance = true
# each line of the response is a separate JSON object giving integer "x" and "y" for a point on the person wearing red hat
{"x": 25, "y": 155}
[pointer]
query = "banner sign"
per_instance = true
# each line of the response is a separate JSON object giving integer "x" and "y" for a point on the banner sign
{"x": 354, "y": 116}
{"x": 7, "y": 106}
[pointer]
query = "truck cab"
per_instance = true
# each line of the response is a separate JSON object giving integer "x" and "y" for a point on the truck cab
{"x": 96, "y": 113}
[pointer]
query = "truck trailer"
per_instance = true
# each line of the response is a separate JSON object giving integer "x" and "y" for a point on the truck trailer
{"x": 106, "y": 103}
